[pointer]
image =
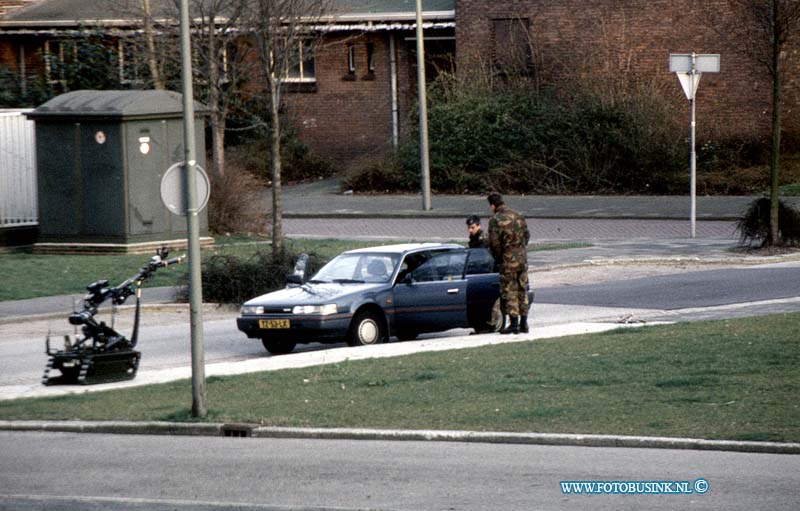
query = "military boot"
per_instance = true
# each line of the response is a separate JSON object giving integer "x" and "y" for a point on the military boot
{"x": 523, "y": 324}
{"x": 513, "y": 326}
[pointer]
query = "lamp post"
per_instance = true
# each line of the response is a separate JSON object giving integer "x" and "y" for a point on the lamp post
{"x": 424, "y": 158}
{"x": 192, "y": 222}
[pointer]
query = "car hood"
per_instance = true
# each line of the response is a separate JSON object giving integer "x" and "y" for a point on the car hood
{"x": 315, "y": 294}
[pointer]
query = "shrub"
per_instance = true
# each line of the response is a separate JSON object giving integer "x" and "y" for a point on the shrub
{"x": 753, "y": 227}
{"x": 516, "y": 139}
{"x": 235, "y": 205}
{"x": 299, "y": 163}
{"x": 232, "y": 279}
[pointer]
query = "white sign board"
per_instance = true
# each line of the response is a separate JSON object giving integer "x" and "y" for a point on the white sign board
{"x": 173, "y": 189}
{"x": 703, "y": 63}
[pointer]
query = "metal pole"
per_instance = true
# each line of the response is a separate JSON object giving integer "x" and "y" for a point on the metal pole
{"x": 693, "y": 163}
{"x": 192, "y": 222}
{"x": 423, "y": 115}
{"x": 393, "y": 80}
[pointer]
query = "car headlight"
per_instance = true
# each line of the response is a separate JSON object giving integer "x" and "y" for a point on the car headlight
{"x": 249, "y": 310}
{"x": 322, "y": 310}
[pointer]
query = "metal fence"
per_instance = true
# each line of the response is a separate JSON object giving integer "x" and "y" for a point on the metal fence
{"x": 18, "y": 206}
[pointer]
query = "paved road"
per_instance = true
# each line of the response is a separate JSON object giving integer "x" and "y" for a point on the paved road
{"x": 122, "y": 472}
{"x": 542, "y": 229}
{"x": 684, "y": 290}
{"x": 117, "y": 472}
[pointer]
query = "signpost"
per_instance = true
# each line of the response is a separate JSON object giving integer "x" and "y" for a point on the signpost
{"x": 689, "y": 67}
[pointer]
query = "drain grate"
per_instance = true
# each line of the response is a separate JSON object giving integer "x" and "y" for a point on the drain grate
{"x": 237, "y": 430}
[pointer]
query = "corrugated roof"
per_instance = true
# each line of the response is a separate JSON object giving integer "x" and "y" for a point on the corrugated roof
{"x": 61, "y": 12}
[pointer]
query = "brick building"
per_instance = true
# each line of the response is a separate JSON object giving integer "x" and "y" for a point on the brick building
{"x": 353, "y": 102}
{"x": 350, "y": 102}
{"x": 572, "y": 42}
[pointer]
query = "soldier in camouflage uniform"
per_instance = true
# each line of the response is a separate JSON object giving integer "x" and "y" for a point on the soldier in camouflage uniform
{"x": 508, "y": 239}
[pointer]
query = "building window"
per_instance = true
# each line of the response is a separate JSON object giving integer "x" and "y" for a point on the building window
{"x": 301, "y": 65}
{"x": 351, "y": 59}
{"x": 130, "y": 63}
{"x": 58, "y": 54}
{"x": 371, "y": 58}
{"x": 511, "y": 49}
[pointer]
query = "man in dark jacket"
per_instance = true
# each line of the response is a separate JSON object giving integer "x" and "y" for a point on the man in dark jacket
{"x": 508, "y": 241}
{"x": 477, "y": 238}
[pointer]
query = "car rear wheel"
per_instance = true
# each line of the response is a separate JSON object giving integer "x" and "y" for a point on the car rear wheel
{"x": 367, "y": 328}
{"x": 278, "y": 346}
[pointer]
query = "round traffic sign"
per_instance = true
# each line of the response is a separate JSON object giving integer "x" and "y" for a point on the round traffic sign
{"x": 173, "y": 189}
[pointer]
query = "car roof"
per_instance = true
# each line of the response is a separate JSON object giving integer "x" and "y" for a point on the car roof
{"x": 404, "y": 248}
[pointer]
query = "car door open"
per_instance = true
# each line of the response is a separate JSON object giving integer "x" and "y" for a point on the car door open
{"x": 430, "y": 293}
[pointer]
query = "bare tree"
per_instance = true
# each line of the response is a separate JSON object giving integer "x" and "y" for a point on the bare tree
{"x": 284, "y": 42}
{"x": 217, "y": 47}
{"x": 152, "y": 59}
{"x": 772, "y": 23}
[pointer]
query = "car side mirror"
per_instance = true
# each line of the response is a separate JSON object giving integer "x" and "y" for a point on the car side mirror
{"x": 407, "y": 279}
{"x": 294, "y": 280}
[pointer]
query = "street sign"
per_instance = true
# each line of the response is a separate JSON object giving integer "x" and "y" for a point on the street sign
{"x": 703, "y": 62}
{"x": 689, "y": 83}
{"x": 173, "y": 189}
{"x": 690, "y": 67}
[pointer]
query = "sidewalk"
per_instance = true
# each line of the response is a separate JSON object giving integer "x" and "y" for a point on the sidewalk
{"x": 324, "y": 198}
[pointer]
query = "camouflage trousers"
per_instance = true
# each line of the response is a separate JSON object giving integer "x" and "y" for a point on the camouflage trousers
{"x": 514, "y": 292}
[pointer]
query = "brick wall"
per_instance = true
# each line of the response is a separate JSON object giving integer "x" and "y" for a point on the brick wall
{"x": 573, "y": 40}
{"x": 349, "y": 117}
{"x": 347, "y": 114}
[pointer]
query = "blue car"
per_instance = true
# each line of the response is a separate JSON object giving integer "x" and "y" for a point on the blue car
{"x": 365, "y": 296}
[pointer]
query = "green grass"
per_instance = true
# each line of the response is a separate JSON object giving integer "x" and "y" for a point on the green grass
{"x": 732, "y": 379}
{"x": 26, "y": 275}
{"x": 791, "y": 190}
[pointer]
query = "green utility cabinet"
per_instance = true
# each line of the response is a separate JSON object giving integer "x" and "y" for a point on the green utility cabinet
{"x": 101, "y": 156}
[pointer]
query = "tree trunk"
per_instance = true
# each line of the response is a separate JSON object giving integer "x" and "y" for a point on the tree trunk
{"x": 774, "y": 229}
{"x": 152, "y": 63}
{"x": 217, "y": 113}
{"x": 275, "y": 139}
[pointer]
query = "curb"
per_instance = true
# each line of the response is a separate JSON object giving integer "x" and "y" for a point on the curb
{"x": 256, "y": 431}
{"x": 659, "y": 260}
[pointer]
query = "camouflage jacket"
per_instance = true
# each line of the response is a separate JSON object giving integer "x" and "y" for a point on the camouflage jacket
{"x": 508, "y": 238}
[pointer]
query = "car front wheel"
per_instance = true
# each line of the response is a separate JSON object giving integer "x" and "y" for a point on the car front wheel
{"x": 367, "y": 328}
{"x": 278, "y": 346}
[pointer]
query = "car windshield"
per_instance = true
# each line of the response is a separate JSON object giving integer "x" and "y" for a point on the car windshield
{"x": 358, "y": 268}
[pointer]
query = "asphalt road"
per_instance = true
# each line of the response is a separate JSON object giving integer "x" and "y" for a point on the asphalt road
{"x": 164, "y": 337}
{"x": 684, "y": 290}
{"x": 58, "y": 471}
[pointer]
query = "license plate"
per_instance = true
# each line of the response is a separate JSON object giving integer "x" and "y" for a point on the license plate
{"x": 273, "y": 323}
